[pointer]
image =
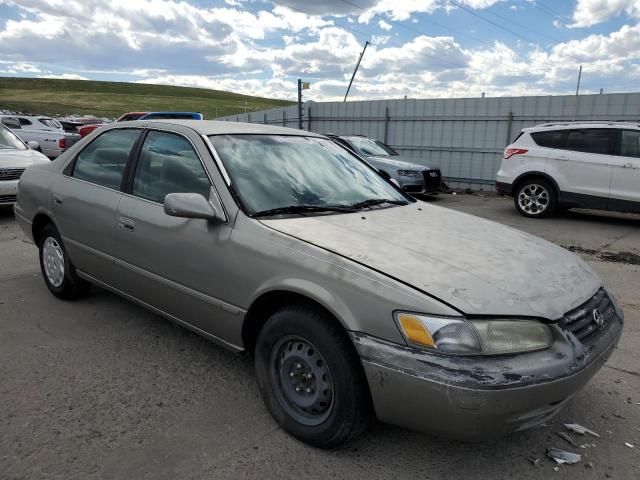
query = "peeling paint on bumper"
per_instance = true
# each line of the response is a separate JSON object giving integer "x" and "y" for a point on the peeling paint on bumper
{"x": 479, "y": 397}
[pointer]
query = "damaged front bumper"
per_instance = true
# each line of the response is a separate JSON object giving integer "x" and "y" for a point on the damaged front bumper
{"x": 479, "y": 397}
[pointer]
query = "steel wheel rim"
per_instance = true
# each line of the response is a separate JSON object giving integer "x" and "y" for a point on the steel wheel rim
{"x": 302, "y": 380}
{"x": 534, "y": 199}
{"x": 53, "y": 261}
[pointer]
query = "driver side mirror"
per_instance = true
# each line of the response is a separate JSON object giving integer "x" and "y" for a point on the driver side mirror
{"x": 190, "y": 205}
{"x": 33, "y": 145}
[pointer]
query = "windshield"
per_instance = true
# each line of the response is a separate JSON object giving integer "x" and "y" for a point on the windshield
{"x": 8, "y": 140}
{"x": 371, "y": 147}
{"x": 277, "y": 171}
{"x": 51, "y": 123}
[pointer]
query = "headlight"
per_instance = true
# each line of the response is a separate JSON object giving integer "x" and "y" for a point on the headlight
{"x": 461, "y": 336}
{"x": 408, "y": 173}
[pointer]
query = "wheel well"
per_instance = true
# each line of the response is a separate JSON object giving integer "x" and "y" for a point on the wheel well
{"x": 265, "y": 306}
{"x": 39, "y": 222}
{"x": 529, "y": 176}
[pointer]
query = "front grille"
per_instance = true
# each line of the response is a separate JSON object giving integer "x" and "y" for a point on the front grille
{"x": 584, "y": 323}
{"x": 431, "y": 179}
{"x": 10, "y": 173}
{"x": 8, "y": 198}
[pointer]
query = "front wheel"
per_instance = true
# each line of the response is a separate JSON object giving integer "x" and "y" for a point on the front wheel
{"x": 311, "y": 378}
{"x": 535, "y": 198}
{"x": 57, "y": 270}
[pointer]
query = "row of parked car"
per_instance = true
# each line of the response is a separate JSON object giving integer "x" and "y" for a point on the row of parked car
{"x": 52, "y": 136}
{"x": 548, "y": 167}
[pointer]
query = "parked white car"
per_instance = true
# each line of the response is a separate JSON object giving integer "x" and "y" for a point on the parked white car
{"x": 15, "y": 157}
{"x": 51, "y": 141}
{"x": 38, "y": 122}
{"x": 593, "y": 165}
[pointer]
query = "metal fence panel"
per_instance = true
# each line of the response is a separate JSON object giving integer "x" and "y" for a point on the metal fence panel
{"x": 464, "y": 137}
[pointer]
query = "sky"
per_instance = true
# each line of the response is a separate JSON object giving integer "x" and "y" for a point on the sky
{"x": 419, "y": 48}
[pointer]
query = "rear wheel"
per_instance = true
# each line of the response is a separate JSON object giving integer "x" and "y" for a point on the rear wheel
{"x": 310, "y": 377}
{"x": 57, "y": 270}
{"x": 536, "y": 198}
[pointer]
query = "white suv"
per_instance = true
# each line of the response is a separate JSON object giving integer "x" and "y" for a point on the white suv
{"x": 573, "y": 165}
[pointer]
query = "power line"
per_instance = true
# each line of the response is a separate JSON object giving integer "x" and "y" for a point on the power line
{"x": 501, "y": 27}
{"x": 523, "y": 26}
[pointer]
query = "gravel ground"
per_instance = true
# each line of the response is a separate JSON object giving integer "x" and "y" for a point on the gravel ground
{"x": 103, "y": 389}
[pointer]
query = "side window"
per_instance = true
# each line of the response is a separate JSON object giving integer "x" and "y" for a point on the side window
{"x": 630, "y": 143}
{"x": 549, "y": 138}
{"x": 168, "y": 164}
{"x": 103, "y": 161}
{"x": 589, "y": 140}
{"x": 24, "y": 121}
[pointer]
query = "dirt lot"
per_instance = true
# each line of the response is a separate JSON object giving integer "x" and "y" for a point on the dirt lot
{"x": 103, "y": 389}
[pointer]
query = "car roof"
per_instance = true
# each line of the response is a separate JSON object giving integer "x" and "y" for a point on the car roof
{"x": 213, "y": 127}
{"x": 581, "y": 125}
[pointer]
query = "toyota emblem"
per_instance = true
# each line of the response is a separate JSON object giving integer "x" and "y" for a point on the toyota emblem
{"x": 3, "y": 172}
{"x": 598, "y": 318}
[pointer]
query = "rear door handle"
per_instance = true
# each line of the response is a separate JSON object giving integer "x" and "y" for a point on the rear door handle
{"x": 127, "y": 224}
{"x": 628, "y": 165}
{"x": 57, "y": 199}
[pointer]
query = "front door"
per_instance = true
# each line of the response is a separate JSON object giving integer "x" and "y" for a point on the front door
{"x": 85, "y": 199}
{"x": 625, "y": 181}
{"x": 176, "y": 265}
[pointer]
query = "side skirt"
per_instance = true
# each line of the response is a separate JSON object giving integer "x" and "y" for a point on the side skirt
{"x": 157, "y": 311}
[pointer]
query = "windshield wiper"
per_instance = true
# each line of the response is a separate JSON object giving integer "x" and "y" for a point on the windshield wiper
{"x": 301, "y": 209}
{"x": 377, "y": 201}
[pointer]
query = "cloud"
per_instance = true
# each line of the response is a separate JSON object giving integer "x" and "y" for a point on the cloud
{"x": 592, "y": 12}
{"x": 384, "y": 25}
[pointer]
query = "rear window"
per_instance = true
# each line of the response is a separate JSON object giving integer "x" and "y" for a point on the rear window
{"x": 549, "y": 138}
{"x": 590, "y": 140}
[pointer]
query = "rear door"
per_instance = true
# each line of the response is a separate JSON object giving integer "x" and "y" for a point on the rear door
{"x": 625, "y": 180}
{"x": 177, "y": 265}
{"x": 85, "y": 199}
{"x": 582, "y": 166}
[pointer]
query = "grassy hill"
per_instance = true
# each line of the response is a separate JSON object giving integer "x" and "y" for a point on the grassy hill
{"x": 112, "y": 99}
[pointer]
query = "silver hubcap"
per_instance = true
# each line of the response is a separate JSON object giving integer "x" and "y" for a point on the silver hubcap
{"x": 533, "y": 199}
{"x": 53, "y": 261}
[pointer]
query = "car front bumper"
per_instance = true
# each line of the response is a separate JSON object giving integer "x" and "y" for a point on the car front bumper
{"x": 8, "y": 192}
{"x": 478, "y": 397}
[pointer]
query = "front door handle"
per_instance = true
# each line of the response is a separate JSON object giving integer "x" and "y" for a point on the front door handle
{"x": 127, "y": 224}
{"x": 628, "y": 165}
{"x": 57, "y": 199}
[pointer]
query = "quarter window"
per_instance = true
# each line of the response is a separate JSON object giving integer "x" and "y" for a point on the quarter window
{"x": 630, "y": 143}
{"x": 549, "y": 138}
{"x": 591, "y": 140}
{"x": 103, "y": 161}
{"x": 168, "y": 164}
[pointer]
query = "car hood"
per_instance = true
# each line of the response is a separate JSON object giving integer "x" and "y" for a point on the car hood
{"x": 475, "y": 265}
{"x": 20, "y": 158}
{"x": 397, "y": 162}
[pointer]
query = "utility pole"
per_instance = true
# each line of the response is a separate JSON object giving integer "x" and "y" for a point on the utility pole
{"x": 579, "y": 76}
{"x": 299, "y": 104}
{"x": 366, "y": 44}
{"x": 301, "y": 86}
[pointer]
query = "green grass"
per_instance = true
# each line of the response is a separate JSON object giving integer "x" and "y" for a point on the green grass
{"x": 112, "y": 99}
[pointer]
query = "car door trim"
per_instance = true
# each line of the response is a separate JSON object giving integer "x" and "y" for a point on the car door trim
{"x": 162, "y": 313}
{"x": 227, "y": 307}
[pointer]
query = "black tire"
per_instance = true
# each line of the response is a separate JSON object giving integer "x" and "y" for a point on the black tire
{"x": 349, "y": 410}
{"x": 535, "y": 198}
{"x": 71, "y": 286}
